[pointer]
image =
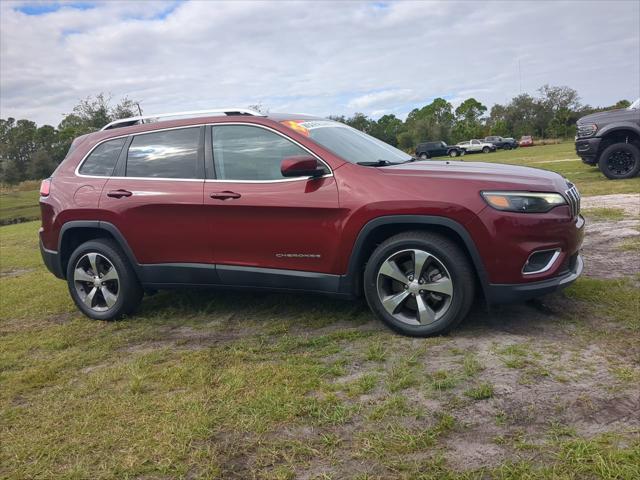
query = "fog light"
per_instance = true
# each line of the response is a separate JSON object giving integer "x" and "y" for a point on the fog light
{"x": 540, "y": 261}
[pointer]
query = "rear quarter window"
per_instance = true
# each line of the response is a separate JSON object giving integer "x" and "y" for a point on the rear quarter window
{"x": 102, "y": 160}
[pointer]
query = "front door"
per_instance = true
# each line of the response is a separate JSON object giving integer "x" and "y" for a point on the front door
{"x": 259, "y": 219}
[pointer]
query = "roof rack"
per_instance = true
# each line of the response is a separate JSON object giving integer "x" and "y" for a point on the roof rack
{"x": 126, "y": 122}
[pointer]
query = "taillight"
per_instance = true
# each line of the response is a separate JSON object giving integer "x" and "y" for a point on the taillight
{"x": 45, "y": 187}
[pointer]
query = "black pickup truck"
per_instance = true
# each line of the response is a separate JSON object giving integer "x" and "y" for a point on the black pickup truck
{"x": 501, "y": 142}
{"x": 437, "y": 149}
{"x": 611, "y": 140}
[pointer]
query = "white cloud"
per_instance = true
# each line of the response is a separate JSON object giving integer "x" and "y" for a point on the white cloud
{"x": 316, "y": 57}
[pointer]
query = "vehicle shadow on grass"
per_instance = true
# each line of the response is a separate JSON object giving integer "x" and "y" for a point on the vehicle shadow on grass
{"x": 267, "y": 312}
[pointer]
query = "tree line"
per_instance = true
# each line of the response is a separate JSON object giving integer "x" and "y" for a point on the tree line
{"x": 30, "y": 152}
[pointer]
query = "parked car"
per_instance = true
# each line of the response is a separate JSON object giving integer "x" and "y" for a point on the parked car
{"x": 437, "y": 149}
{"x": 476, "y": 146}
{"x": 611, "y": 140}
{"x": 501, "y": 142}
{"x": 526, "y": 141}
{"x": 237, "y": 199}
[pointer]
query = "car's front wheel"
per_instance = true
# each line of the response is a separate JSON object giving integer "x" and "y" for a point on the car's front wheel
{"x": 424, "y": 156}
{"x": 620, "y": 160}
{"x": 101, "y": 281}
{"x": 453, "y": 153}
{"x": 486, "y": 150}
{"x": 419, "y": 283}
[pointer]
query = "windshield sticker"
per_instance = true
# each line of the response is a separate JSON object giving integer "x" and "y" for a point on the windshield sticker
{"x": 304, "y": 126}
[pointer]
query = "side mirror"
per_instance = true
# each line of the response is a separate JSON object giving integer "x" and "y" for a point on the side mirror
{"x": 301, "y": 166}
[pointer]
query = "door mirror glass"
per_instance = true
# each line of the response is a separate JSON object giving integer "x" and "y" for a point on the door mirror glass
{"x": 301, "y": 166}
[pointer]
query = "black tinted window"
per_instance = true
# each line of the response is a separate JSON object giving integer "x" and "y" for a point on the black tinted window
{"x": 103, "y": 159}
{"x": 167, "y": 154}
{"x": 242, "y": 152}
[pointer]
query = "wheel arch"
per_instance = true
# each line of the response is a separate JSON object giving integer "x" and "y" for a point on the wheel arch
{"x": 381, "y": 228}
{"x": 77, "y": 232}
{"x": 619, "y": 134}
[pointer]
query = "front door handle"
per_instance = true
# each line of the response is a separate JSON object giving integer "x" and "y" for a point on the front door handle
{"x": 119, "y": 193}
{"x": 225, "y": 195}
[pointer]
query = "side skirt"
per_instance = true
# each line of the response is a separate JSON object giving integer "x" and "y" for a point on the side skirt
{"x": 176, "y": 275}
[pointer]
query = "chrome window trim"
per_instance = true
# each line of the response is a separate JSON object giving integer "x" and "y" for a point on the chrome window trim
{"x": 206, "y": 180}
{"x": 549, "y": 264}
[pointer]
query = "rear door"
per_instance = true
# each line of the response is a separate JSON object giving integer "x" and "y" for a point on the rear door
{"x": 258, "y": 218}
{"x": 155, "y": 198}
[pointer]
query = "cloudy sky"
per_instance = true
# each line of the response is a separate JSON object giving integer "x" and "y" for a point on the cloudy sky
{"x": 313, "y": 57}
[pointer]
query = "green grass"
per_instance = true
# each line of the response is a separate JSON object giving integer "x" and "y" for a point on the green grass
{"x": 238, "y": 385}
{"x": 561, "y": 158}
{"x": 480, "y": 392}
{"x": 604, "y": 213}
{"x": 618, "y": 300}
{"x": 19, "y": 205}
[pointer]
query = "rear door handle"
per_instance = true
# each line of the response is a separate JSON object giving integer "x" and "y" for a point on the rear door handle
{"x": 224, "y": 195}
{"x": 119, "y": 193}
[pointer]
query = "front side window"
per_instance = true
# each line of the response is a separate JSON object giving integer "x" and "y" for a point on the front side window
{"x": 165, "y": 154}
{"x": 103, "y": 159}
{"x": 244, "y": 152}
{"x": 352, "y": 145}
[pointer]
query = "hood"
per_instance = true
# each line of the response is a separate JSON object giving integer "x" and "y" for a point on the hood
{"x": 610, "y": 116}
{"x": 487, "y": 175}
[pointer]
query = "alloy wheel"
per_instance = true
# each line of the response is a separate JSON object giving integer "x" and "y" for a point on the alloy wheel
{"x": 96, "y": 281}
{"x": 620, "y": 162}
{"x": 414, "y": 287}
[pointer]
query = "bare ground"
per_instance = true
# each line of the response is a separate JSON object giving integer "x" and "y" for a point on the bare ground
{"x": 604, "y": 257}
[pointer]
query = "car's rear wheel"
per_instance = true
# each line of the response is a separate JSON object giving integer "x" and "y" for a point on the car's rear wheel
{"x": 453, "y": 153}
{"x": 486, "y": 149}
{"x": 419, "y": 283}
{"x": 101, "y": 281}
{"x": 620, "y": 160}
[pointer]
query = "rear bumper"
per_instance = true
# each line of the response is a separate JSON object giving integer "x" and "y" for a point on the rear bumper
{"x": 51, "y": 260}
{"x": 509, "y": 293}
{"x": 587, "y": 149}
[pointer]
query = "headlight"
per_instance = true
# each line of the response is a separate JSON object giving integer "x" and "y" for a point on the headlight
{"x": 524, "y": 202}
{"x": 587, "y": 129}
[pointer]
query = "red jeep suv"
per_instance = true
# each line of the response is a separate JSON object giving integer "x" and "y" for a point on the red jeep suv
{"x": 233, "y": 198}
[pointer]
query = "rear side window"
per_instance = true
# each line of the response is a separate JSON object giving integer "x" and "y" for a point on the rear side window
{"x": 242, "y": 152}
{"x": 103, "y": 158}
{"x": 166, "y": 154}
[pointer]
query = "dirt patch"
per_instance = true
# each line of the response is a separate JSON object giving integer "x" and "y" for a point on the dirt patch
{"x": 604, "y": 257}
{"x": 629, "y": 202}
{"x": 15, "y": 272}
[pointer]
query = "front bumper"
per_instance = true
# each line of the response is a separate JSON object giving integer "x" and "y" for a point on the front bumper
{"x": 509, "y": 293}
{"x": 587, "y": 149}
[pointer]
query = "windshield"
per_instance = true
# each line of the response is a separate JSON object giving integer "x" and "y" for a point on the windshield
{"x": 635, "y": 105}
{"x": 348, "y": 143}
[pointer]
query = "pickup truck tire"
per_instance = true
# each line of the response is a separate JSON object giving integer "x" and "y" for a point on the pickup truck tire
{"x": 620, "y": 160}
{"x": 486, "y": 150}
{"x": 101, "y": 281}
{"x": 430, "y": 302}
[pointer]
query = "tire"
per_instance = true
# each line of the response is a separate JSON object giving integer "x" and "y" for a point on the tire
{"x": 424, "y": 156}
{"x": 620, "y": 160}
{"x": 402, "y": 305}
{"x": 111, "y": 299}
{"x": 486, "y": 149}
{"x": 507, "y": 147}
{"x": 453, "y": 153}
